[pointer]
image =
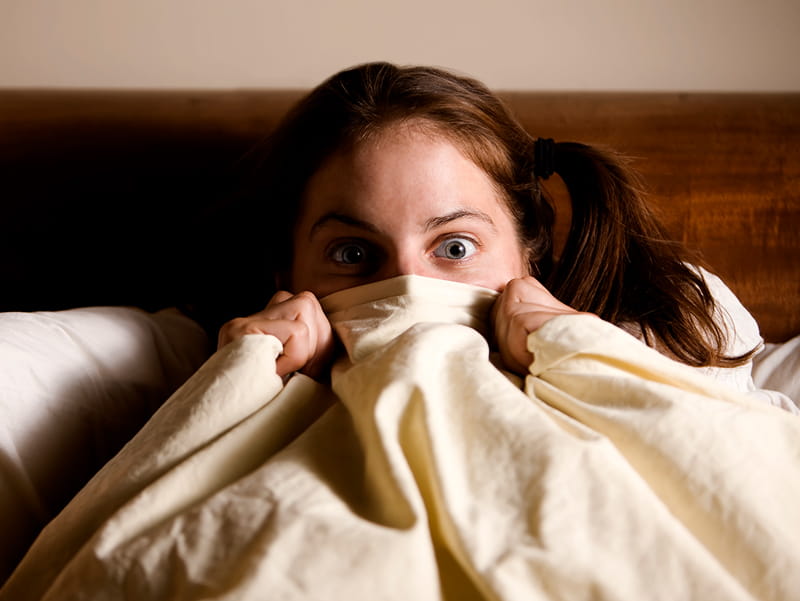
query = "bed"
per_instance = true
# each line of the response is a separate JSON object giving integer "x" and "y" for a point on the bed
{"x": 120, "y": 262}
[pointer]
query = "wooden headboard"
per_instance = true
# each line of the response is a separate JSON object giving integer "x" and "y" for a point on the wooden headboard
{"x": 108, "y": 196}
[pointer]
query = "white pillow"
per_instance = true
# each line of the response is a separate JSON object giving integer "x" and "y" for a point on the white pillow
{"x": 777, "y": 367}
{"x": 75, "y": 385}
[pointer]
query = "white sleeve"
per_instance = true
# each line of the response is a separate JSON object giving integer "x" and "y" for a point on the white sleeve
{"x": 743, "y": 336}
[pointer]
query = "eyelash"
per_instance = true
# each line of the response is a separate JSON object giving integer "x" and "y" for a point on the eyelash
{"x": 457, "y": 237}
{"x": 372, "y": 253}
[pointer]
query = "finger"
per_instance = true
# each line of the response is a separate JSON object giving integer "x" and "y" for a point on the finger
{"x": 309, "y": 348}
{"x": 279, "y": 297}
{"x": 242, "y": 326}
{"x": 294, "y": 336}
{"x": 530, "y": 290}
{"x": 323, "y": 338}
{"x": 515, "y": 352}
{"x": 285, "y": 305}
{"x": 298, "y": 349}
{"x": 282, "y": 306}
{"x": 299, "y": 322}
{"x": 231, "y": 330}
{"x": 523, "y": 307}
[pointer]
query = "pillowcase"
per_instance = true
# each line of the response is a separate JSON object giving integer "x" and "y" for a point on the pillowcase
{"x": 777, "y": 367}
{"x": 74, "y": 387}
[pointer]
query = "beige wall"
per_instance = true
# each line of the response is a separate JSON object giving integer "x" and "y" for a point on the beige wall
{"x": 516, "y": 44}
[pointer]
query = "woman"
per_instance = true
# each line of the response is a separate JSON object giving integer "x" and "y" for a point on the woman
{"x": 422, "y": 472}
{"x": 384, "y": 171}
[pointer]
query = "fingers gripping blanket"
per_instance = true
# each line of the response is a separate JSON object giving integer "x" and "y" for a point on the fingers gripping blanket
{"x": 425, "y": 472}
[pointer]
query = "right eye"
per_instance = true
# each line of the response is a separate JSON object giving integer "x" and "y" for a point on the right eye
{"x": 349, "y": 253}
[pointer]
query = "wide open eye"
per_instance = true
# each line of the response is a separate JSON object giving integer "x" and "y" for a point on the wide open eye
{"x": 456, "y": 249}
{"x": 349, "y": 253}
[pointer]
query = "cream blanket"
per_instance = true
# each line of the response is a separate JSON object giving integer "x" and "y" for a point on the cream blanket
{"x": 424, "y": 472}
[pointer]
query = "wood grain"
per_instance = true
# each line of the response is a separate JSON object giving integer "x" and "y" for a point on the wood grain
{"x": 102, "y": 189}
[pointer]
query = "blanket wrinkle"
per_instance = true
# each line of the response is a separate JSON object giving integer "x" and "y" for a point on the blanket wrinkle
{"x": 423, "y": 472}
{"x": 695, "y": 464}
{"x": 367, "y": 317}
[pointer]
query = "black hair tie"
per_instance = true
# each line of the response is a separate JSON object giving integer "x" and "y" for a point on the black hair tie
{"x": 544, "y": 157}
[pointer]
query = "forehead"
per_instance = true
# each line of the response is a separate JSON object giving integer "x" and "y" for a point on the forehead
{"x": 403, "y": 166}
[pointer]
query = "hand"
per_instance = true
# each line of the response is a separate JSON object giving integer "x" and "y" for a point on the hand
{"x": 297, "y": 320}
{"x": 523, "y": 307}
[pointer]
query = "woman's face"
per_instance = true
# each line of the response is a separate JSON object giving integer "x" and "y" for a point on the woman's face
{"x": 404, "y": 202}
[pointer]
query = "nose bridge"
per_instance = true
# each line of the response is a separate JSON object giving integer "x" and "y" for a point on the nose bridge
{"x": 405, "y": 260}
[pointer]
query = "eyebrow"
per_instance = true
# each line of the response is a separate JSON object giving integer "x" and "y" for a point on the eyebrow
{"x": 341, "y": 218}
{"x": 435, "y": 222}
{"x": 430, "y": 224}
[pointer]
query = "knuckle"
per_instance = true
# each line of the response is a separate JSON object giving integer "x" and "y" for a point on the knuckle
{"x": 513, "y": 285}
{"x": 231, "y": 326}
{"x": 516, "y": 290}
{"x": 231, "y": 330}
{"x": 279, "y": 297}
{"x": 306, "y": 298}
{"x": 240, "y": 324}
{"x": 301, "y": 330}
{"x": 306, "y": 304}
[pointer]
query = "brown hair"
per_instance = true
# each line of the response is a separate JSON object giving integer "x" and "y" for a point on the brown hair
{"x": 617, "y": 261}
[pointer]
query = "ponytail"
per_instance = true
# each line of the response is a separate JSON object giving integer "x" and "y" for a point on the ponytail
{"x": 619, "y": 263}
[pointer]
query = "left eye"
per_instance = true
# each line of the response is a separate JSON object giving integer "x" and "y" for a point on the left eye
{"x": 455, "y": 248}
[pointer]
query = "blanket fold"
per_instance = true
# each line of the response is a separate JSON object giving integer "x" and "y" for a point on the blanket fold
{"x": 425, "y": 472}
